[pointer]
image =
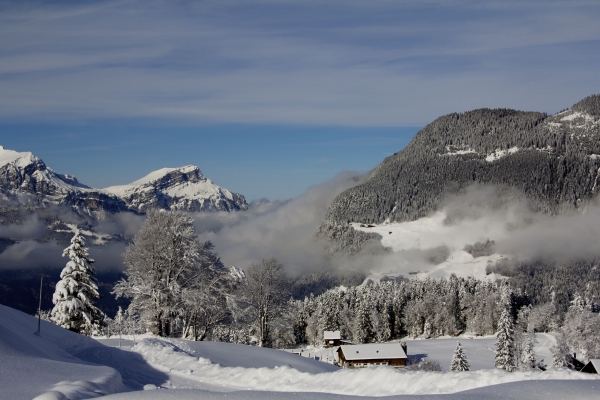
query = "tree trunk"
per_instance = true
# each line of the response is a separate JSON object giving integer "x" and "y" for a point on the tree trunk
{"x": 264, "y": 329}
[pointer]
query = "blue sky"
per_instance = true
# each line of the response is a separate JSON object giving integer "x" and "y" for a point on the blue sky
{"x": 268, "y": 97}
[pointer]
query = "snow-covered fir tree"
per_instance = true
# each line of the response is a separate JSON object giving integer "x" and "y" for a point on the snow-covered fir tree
{"x": 581, "y": 327}
{"x": 119, "y": 321}
{"x": 561, "y": 353}
{"x": 76, "y": 291}
{"x": 528, "y": 361}
{"x": 459, "y": 360}
{"x": 363, "y": 327}
{"x": 505, "y": 356}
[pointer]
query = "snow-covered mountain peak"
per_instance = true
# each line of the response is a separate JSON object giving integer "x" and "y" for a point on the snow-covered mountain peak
{"x": 184, "y": 188}
{"x": 164, "y": 172}
{"x": 163, "y": 178}
{"x": 178, "y": 188}
{"x": 19, "y": 159}
{"x": 27, "y": 173}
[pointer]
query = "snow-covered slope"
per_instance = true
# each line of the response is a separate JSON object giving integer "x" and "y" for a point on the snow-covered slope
{"x": 530, "y": 390}
{"x": 182, "y": 360}
{"x": 182, "y": 188}
{"x": 410, "y": 242}
{"x": 60, "y": 364}
{"x": 31, "y": 365}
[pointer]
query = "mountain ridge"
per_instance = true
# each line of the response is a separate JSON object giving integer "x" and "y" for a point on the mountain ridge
{"x": 26, "y": 179}
{"x": 184, "y": 188}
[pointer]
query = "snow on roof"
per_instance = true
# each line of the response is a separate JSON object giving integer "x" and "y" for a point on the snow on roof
{"x": 331, "y": 335}
{"x": 596, "y": 363}
{"x": 373, "y": 351}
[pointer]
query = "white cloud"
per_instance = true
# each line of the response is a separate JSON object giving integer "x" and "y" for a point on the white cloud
{"x": 483, "y": 213}
{"x": 285, "y": 230}
{"x": 31, "y": 227}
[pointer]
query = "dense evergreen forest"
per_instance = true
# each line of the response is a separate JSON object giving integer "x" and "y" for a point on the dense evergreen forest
{"x": 396, "y": 308}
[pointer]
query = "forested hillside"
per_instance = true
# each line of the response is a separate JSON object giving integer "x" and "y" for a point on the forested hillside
{"x": 552, "y": 160}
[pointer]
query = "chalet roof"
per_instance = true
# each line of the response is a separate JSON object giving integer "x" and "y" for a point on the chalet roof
{"x": 595, "y": 363}
{"x": 373, "y": 351}
{"x": 332, "y": 335}
{"x": 577, "y": 364}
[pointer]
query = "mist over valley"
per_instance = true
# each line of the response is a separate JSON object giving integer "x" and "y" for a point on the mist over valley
{"x": 524, "y": 183}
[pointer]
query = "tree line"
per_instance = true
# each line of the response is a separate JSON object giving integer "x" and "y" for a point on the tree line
{"x": 179, "y": 287}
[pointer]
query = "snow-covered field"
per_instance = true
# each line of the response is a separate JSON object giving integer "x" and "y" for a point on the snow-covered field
{"x": 431, "y": 232}
{"x": 479, "y": 350}
{"x": 62, "y": 365}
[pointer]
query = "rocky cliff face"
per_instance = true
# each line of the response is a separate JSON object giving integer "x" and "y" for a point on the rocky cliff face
{"x": 178, "y": 188}
{"x": 553, "y": 160}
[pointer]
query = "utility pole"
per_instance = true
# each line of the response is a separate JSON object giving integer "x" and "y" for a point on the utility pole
{"x": 119, "y": 318}
{"x": 40, "y": 306}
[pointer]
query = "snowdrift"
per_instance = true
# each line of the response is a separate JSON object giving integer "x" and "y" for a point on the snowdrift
{"x": 32, "y": 365}
{"x": 531, "y": 390}
{"x": 376, "y": 381}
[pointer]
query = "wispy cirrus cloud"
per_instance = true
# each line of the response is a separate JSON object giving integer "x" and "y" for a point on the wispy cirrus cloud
{"x": 338, "y": 63}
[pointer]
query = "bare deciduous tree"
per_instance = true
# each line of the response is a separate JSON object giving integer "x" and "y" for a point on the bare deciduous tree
{"x": 267, "y": 290}
{"x": 172, "y": 277}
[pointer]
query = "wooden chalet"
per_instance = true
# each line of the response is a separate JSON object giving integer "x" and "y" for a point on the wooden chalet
{"x": 334, "y": 338}
{"x": 592, "y": 367}
{"x": 577, "y": 365}
{"x": 367, "y": 355}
